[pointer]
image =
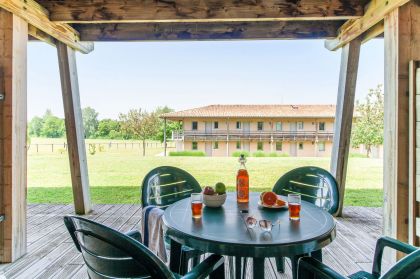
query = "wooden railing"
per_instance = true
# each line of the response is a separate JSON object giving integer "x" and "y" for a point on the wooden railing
{"x": 252, "y": 135}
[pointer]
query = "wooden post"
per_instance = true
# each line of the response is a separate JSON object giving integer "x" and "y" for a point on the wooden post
{"x": 13, "y": 118}
{"x": 164, "y": 136}
{"x": 227, "y": 137}
{"x": 74, "y": 128}
{"x": 344, "y": 114}
{"x": 402, "y": 44}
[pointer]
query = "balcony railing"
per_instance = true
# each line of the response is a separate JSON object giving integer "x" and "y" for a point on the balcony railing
{"x": 223, "y": 135}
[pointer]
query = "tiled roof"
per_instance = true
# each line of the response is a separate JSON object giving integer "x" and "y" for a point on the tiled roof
{"x": 255, "y": 111}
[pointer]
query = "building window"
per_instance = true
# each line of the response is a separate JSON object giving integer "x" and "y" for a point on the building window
{"x": 194, "y": 145}
{"x": 300, "y": 145}
{"x": 216, "y": 124}
{"x": 279, "y": 146}
{"x": 300, "y": 125}
{"x": 260, "y": 126}
{"x": 194, "y": 125}
{"x": 238, "y": 125}
{"x": 278, "y": 126}
{"x": 260, "y": 146}
{"x": 238, "y": 145}
{"x": 216, "y": 145}
{"x": 321, "y": 126}
{"x": 321, "y": 146}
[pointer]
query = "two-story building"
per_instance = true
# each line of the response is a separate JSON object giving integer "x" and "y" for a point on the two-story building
{"x": 220, "y": 130}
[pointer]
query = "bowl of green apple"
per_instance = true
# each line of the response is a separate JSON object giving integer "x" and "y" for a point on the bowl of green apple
{"x": 214, "y": 196}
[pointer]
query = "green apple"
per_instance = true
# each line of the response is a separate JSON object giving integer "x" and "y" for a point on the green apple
{"x": 220, "y": 188}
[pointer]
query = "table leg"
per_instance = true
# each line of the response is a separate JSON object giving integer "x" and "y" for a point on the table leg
{"x": 258, "y": 264}
{"x": 175, "y": 256}
{"x": 238, "y": 267}
{"x": 317, "y": 255}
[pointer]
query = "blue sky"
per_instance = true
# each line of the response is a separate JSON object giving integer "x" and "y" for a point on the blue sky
{"x": 118, "y": 76}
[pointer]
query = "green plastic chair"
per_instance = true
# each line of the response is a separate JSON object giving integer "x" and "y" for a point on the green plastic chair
{"x": 316, "y": 186}
{"x": 406, "y": 268}
{"x": 162, "y": 187}
{"x": 110, "y": 254}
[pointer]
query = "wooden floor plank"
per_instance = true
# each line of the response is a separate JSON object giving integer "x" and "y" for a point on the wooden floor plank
{"x": 52, "y": 255}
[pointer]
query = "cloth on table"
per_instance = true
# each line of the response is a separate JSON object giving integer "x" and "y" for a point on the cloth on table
{"x": 152, "y": 230}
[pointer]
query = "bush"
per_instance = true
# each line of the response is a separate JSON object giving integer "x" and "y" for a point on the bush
{"x": 273, "y": 154}
{"x": 259, "y": 154}
{"x": 188, "y": 153}
{"x": 238, "y": 153}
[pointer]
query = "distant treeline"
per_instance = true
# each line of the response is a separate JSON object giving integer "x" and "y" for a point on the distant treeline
{"x": 136, "y": 124}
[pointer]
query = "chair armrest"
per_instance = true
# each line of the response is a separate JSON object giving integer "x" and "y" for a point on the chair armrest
{"x": 205, "y": 268}
{"x": 386, "y": 241}
{"x": 309, "y": 266}
{"x": 135, "y": 234}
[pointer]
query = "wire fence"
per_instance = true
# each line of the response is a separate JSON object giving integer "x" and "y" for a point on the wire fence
{"x": 62, "y": 147}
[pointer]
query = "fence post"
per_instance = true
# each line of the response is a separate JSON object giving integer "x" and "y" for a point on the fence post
{"x": 52, "y": 147}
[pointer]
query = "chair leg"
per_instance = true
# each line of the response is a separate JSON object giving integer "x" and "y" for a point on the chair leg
{"x": 280, "y": 261}
{"x": 195, "y": 261}
{"x": 219, "y": 273}
{"x": 183, "y": 265}
{"x": 295, "y": 260}
{"x": 175, "y": 256}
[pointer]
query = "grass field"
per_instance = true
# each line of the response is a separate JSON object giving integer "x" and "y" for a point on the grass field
{"x": 115, "y": 174}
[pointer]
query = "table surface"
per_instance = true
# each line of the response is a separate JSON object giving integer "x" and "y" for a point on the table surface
{"x": 223, "y": 230}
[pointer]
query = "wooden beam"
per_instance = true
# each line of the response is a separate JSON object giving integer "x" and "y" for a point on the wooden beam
{"x": 74, "y": 128}
{"x": 402, "y": 44}
{"x": 40, "y": 35}
{"x": 208, "y": 31}
{"x": 344, "y": 114}
{"x": 116, "y": 11}
{"x": 414, "y": 148}
{"x": 13, "y": 119}
{"x": 37, "y": 16}
{"x": 375, "y": 12}
{"x": 376, "y": 31}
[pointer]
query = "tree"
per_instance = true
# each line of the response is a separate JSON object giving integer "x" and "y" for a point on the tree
{"x": 35, "y": 126}
{"x": 368, "y": 128}
{"x": 53, "y": 126}
{"x": 109, "y": 128}
{"x": 170, "y": 125}
{"x": 140, "y": 124}
{"x": 90, "y": 121}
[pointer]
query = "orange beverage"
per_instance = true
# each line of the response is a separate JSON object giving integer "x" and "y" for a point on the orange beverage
{"x": 196, "y": 208}
{"x": 294, "y": 211}
{"x": 242, "y": 182}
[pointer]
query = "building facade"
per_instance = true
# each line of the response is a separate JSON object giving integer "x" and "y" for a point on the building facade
{"x": 222, "y": 130}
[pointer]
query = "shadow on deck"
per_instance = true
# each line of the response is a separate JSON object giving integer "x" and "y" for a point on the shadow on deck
{"x": 51, "y": 253}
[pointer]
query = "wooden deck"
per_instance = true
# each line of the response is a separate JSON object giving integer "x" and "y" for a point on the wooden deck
{"x": 51, "y": 253}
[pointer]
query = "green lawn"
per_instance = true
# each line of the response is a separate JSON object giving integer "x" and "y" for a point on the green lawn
{"x": 115, "y": 174}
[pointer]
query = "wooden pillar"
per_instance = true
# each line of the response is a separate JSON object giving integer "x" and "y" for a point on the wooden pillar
{"x": 164, "y": 137}
{"x": 227, "y": 138}
{"x": 402, "y": 44}
{"x": 13, "y": 119}
{"x": 74, "y": 128}
{"x": 344, "y": 114}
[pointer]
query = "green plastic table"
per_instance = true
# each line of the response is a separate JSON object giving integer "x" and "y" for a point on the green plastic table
{"x": 223, "y": 231}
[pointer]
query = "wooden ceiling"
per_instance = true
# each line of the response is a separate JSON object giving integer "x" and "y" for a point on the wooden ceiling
{"x": 137, "y": 20}
{"x": 77, "y": 22}
{"x": 105, "y": 11}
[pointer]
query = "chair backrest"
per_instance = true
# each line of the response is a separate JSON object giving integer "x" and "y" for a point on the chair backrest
{"x": 315, "y": 185}
{"x": 111, "y": 254}
{"x": 407, "y": 267}
{"x": 165, "y": 185}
